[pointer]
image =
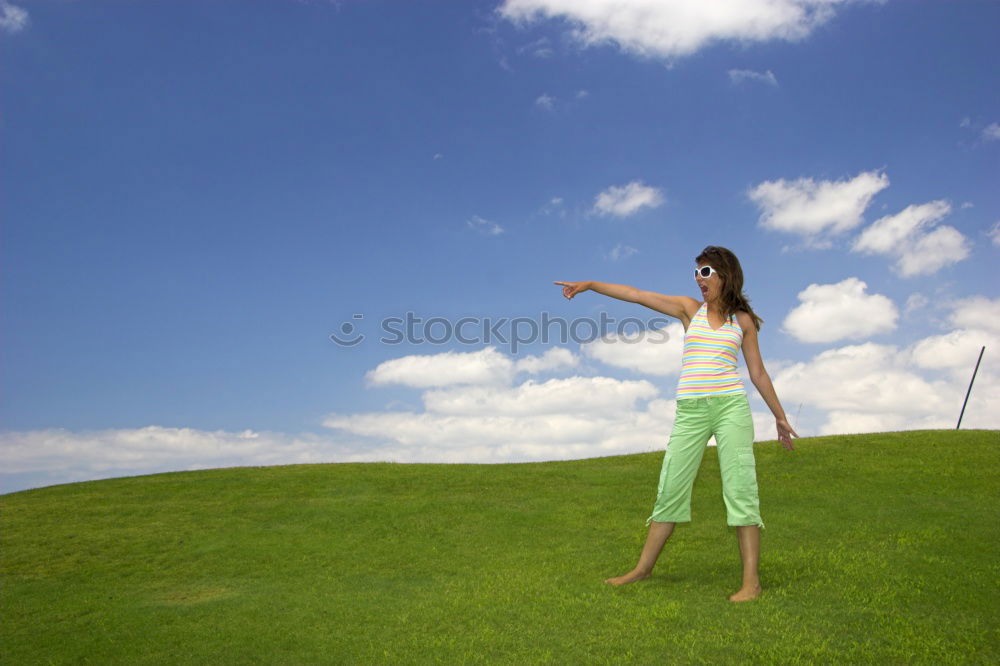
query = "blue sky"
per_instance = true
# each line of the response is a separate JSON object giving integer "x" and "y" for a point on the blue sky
{"x": 196, "y": 195}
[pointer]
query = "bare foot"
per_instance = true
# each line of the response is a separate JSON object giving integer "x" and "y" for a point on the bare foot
{"x": 630, "y": 577}
{"x": 746, "y": 593}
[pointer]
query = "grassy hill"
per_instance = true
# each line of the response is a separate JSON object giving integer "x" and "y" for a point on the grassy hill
{"x": 878, "y": 548}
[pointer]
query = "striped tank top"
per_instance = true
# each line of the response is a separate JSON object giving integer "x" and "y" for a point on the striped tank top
{"x": 708, "y": 366}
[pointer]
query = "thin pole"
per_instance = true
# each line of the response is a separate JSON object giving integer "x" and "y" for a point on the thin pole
{"x": 970, "y": 388}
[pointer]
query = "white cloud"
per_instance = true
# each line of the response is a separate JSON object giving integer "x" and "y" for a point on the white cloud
{"x": 857, "y": 388}
{"x": 12, "y": 18}
{"x": 866, "y": 378}
{"x": 764, "y": 427}
{"x": 484, "y": 226}
{"x": 816, "y": 209}
{"x": 905, "y": 237}
{"x": 915, "y": 302}
{"x": 957, "y": 349}
{"x": 486, "y": 366}
{"x": 737, "y": 76}
{"x": 431, "y": 437}
{"x": 625, "y": 200}
{"x": 573, "y": 395}
{"x": 540, "y": 48}
{"x": 621, "y": 251}
{"x": 888, "y": 232}
{"x": 831, "y": 312}
{"x": 555, "y": 206}
{"x": 994, "y": 233}
{"x": 556, "y": 358}
{"x": 986, "y": 133}
{"x": 933, "y": 251}
{"x": 872, "y": 387}
{"x": 546, "y": 102}
{"x": 549, "y": 420}
{"x": 675, "y": 28}
{"x": 651, "y": 352}
{"x": 582, "y": 94}
{"x": 956, "y": 353}
{"x": 60, "y": 456}
{"x": 841, "y": 422}
{"x": 977, "y": 312}
{"x": 540, "y": 418}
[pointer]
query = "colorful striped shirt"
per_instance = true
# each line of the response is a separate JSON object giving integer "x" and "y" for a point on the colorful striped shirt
{"x": 708, "y": 366}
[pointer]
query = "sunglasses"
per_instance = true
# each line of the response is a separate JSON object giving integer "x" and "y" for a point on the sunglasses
{"x": 705, "y": 272}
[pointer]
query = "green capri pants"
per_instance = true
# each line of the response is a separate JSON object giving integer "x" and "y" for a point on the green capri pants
{"x": 728, "y": 418}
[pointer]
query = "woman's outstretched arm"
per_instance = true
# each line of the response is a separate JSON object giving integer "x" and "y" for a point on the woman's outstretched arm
{"x": 681, "y": 307}
{"x": 760, "y": 379}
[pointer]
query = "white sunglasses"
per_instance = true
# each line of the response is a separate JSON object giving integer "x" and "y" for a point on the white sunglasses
{"x": 705, "y": 272}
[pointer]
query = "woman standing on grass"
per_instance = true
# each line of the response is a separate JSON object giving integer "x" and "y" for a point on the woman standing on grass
{"x": 711, "y": 400}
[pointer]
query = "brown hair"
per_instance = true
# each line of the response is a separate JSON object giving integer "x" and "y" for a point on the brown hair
{"x": 729, "y": 270}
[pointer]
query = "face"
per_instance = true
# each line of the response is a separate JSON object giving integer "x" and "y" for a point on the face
{"x": 711, "y": 287}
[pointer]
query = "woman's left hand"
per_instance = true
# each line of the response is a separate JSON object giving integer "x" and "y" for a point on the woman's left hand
{"x": 785, "y": 433}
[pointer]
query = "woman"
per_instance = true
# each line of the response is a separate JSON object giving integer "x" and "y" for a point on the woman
{"x": 711, "y": 400}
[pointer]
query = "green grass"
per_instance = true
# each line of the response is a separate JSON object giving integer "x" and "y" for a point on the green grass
{"x": 878, "y": 548}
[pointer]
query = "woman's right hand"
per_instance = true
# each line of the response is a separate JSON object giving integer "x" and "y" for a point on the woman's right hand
{"x": 571, "y": 289}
